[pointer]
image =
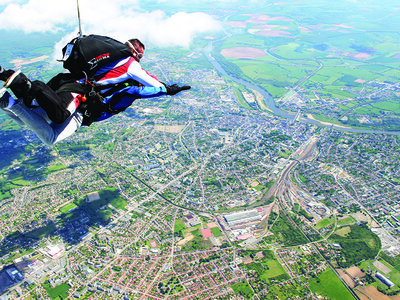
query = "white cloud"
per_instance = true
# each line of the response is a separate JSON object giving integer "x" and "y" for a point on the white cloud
{"x": 4, "y": 2}
{"x": 156, "y": 27}
{"x": 37, "y": 15}
{"x": 121, "y": 19}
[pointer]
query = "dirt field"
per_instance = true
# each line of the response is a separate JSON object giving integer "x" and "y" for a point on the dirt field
{"x": 20, "y": 62}
{"x": 275, "y": 33}
{"x": 256, "y": 18}
{"x": 371, "y": 293}
{"x": 260, "y": 100}
{"x": 188, "y": 238}
{"x": 361, "y": 217}
{"x": 310, "y": 116}
{"x": 350, "y": 282}
{"x": 243, "y": 52}
{"x": 238, "y": 24}
{"x": 343, "y": 231}
{"x": 355, "y": 272}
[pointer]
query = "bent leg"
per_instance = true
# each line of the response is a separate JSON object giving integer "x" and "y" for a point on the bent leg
{"x": 13, "y": 116}
{"x": 58, "y": 106}
{"x": 67, "y": 128}
{"x": 54, "y": 104}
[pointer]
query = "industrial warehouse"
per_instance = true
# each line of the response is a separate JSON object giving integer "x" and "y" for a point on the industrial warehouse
{"x": 243, "y": 217}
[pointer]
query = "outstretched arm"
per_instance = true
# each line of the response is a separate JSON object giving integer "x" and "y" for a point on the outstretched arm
{"x": 137, "y": 73}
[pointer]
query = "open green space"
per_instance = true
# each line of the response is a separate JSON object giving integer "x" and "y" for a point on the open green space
{"x": 286, "y": 233}
{"x": 57, "y": 292}
{"x": 390, "y": 106}
{"x": 344, "y": 231}
{"x": 170, "y": 286}
{"x": 394, "y": 276}
{"x": 198, "y": 242}
{"x": 68, "y": 207}
{"x": 216, "y": 231}
{"x": 328, "y": 285}
{"x": 41, "y": 232}
{"x": 116, "y": 269}
{"x": 267, "y": 268}
{"x": 243, "y": 289}
{"x": 292, "y": 51}
{"x": 107, "y": 196}
{"x": 179, "y": 226}
{"x": 358, "y": 243}
{"x": 346, "y": 221}
{"x": 113, "y": 196}
{"x": 93, "y": 212}
{"x": 242, "y": 40}
{"x": 272, "y": 269}
{"x": 323, "y": 223}
{"x": 5, "y": 195}
{"x": 57, "y": 167}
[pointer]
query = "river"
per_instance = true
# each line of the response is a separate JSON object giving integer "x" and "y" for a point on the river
{"x": 270, "y": 102}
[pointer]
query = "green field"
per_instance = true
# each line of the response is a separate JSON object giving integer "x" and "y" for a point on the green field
{"x": 198, "y": 243}
{"x": 274, "y": 269}
{"x": 41, "y": 232}
{"x": 358, "y": 243}
{"x": 57, "y": 167}
{"x": 326, "y": 62}
{"x": 179, "y": 226}
{"x": 323, "y": 223}
{"x": 243, "y": 289}
{"x": 97, "y": 211}
{"x": 112, "y": 196}
{"x": 57, "y": 292}
{"x": 216, "y": 231}
{"x": 327, "y": 284}
{"x": 394, "y": 276}
{"x": 286, "y": 233}
{"x": 267, "y": 268}
{"x": 390, "y": 106}
{"x": 346, "y": 221}
{"x": 68, "y": 207}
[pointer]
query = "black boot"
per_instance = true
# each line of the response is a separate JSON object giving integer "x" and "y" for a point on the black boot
{"x": 5, "y": 74}
{"x": 19, "y": 84}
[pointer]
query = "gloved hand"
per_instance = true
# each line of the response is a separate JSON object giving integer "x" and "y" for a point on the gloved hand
{"x": 174, "y": 89}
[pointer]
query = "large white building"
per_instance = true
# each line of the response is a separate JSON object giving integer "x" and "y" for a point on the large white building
{"x": 242, "y": 217}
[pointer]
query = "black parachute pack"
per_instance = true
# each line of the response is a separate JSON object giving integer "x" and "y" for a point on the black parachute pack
{"x": 83, "y": 57}
{"x": 89, "y": 53}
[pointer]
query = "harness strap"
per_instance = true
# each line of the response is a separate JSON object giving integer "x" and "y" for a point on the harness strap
{"x": 112, "y": 88}
{"x": 93, "y": 107}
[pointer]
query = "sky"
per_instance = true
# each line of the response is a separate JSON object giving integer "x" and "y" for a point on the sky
{"x": 121, "y": 19}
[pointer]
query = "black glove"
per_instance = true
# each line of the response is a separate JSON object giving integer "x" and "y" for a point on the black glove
{"x": 175, "y": 89}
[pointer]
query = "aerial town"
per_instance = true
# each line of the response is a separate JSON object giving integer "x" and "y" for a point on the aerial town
{"x": 199, "y": 198}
